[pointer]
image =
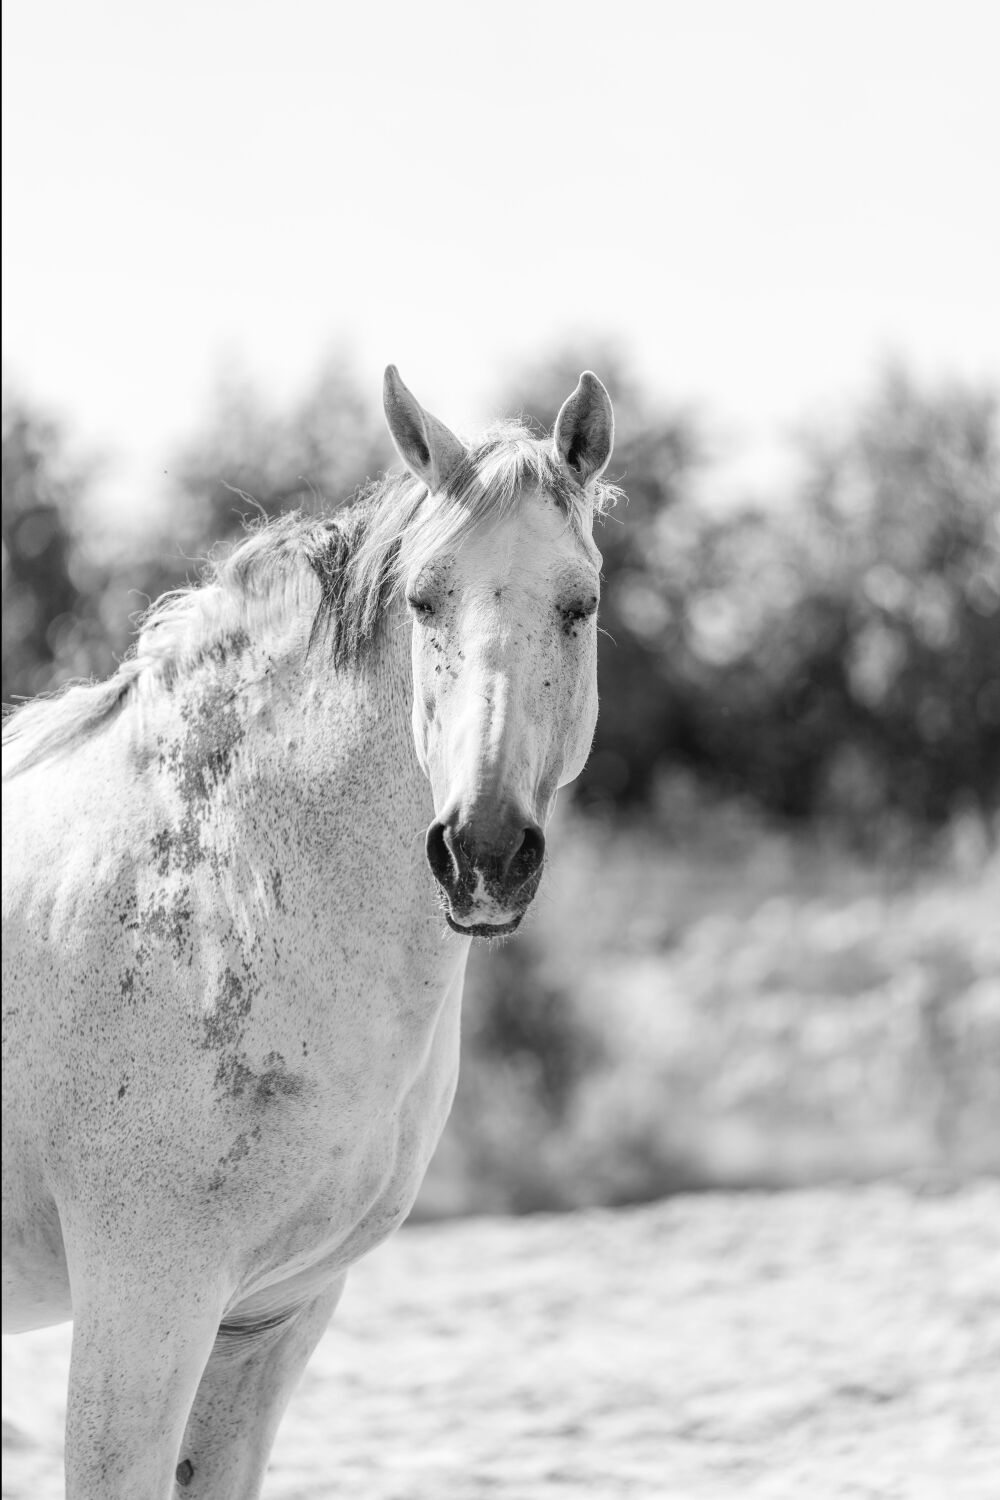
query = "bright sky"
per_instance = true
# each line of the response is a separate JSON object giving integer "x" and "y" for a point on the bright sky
{"x": 760, "y": 201}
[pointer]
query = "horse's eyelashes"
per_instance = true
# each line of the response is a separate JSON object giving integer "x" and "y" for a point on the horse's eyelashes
{"x": 422, "y": 607}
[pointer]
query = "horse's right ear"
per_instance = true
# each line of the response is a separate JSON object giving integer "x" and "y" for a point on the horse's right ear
{"x": 427, "y": 447}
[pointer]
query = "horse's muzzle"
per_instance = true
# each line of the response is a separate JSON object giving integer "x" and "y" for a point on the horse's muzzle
{"x": 488, "y": 868}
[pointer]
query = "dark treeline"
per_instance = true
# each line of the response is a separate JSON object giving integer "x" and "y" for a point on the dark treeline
{"x": 839, "y": 657}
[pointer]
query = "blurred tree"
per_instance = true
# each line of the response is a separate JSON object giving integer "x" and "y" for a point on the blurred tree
{"x": 905, "y": 537}
{"x": 52, "y": 588}
{"x": 250, "y": 458}
{"x": 524, "y": 1019}
{"x": 846, "y": 658}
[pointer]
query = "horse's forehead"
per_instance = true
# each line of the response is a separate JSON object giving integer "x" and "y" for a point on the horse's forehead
{"x": 534, "y": 536}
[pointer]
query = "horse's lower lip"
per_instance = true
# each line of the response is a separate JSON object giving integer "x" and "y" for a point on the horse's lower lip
{"x": 484, "y": 929}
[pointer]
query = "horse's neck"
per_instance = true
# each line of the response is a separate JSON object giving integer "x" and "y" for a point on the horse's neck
{"x": 322, "y": 732}
{"x": 334, "y": 750}
{"x": 289, "y": 775}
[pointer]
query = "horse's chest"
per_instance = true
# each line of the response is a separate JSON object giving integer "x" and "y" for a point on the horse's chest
{"x": 375, "y": 1197}
{"x": 334, "y": 1167}
{"x": 375, "y": 1168}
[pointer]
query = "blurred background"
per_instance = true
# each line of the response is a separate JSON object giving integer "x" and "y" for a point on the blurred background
{"x": 767, "y": 950}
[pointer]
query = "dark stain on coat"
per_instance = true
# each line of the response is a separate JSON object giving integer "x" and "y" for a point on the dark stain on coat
{"x": 169, "y": 921}
{"x": 198, "y": 761}
{"x": 237, "y": 1151}
{"x": 239, "y": 1080}
{"x": 223, "y": 1031}
{"x": 233, "y": 1001}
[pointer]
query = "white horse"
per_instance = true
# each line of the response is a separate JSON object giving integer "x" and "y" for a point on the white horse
{"x": 231, "y": 1004}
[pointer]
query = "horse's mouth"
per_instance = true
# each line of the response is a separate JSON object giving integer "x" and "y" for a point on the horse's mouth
{"x": 482, "y": 908}
{"x": 484, "y": 929}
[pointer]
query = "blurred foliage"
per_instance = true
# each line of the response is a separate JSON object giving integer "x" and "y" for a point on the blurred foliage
{"x": 739, "y": 1006}
{"x": 839, "y": 658}
{"x": 54, "y": 591}
{"x": 249, "y": 457}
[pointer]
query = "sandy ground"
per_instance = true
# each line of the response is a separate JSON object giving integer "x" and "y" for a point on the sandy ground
{"x": 839, "y": 1343}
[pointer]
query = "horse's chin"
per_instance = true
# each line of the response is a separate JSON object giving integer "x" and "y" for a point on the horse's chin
{"x": 484, "y": 929}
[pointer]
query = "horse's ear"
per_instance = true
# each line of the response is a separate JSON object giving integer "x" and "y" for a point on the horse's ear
{"x": 427, "y": 447}
{"x": 585, "y": 430}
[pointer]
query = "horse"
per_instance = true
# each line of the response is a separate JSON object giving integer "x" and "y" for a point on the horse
{"x": 241, "y": 880}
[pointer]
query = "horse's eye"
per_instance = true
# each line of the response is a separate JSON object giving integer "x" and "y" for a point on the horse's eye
{"x": 422, "y": 607}
{"x": 580, "y": 609}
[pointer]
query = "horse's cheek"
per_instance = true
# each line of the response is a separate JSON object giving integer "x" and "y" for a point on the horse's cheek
{"x": 577, "y": 722}
{"x": 423, "y": 718}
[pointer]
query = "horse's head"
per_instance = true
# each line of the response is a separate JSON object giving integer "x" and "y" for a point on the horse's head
{"x": 504, "y": 618}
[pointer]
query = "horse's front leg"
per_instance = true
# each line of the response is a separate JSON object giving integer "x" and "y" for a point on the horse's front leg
{"x": 140, "y": 1345}
{"x": 252, "y": 1371}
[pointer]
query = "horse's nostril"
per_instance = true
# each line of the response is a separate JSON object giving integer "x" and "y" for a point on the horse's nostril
{"x": 528, "y": 857}
{"x": 504, "y": 858}
{"x": 439, "y": 855}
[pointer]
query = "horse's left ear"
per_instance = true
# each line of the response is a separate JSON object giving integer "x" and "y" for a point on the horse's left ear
{"x": 427, "y": 447}
{"x": 585, "y": 430}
